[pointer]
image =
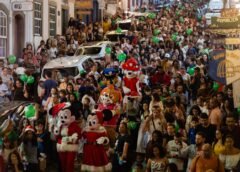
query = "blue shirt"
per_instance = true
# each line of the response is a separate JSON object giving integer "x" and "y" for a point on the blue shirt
{"x": 48, "y": 85}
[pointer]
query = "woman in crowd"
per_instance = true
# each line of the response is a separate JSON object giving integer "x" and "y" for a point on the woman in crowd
{"x": 155, "y": 102}
{"x": 195, "y": 111}
{"x": 14, "y": 162}
{"x": 121, "y": 161}
{"x": 218, "y": 144}
{"x": 28, "y": 149}
{"x": 50, "y": 102}
{"x": 230, "y": 157}
{"x": 6, "y": 150}
{"x": 156, "y": 121}
{"x": 158, "y": 161}
{"x": 20, "y": 91}
{"x": 53, "y": 51}
{"x": 157, "y": 138}
{"x": 77, "y": 106}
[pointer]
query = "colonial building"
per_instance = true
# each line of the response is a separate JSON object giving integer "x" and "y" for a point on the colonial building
{"x": 30, "y": 21}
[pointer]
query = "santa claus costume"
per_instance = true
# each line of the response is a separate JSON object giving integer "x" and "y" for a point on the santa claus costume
{"x": 67, "y": 134}
{"x": 95, "y": 158}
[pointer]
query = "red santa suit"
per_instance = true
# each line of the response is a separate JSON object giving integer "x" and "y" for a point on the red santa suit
{"x": 94, "y": 154}
{"x": 67, "y": 135}
{"x": 131, "y": 84}
{"x": 68, "y": 149}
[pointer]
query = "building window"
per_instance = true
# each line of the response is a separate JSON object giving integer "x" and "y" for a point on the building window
{"x": 3, "y": 34}
{"x": 38, "y": 18}
{"x": 52, "y": 19}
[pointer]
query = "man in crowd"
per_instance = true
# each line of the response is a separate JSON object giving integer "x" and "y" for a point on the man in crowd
{"x": 207, "y": 128}
{"x": 192, "y": 150}
{"x": 206, "y": 161}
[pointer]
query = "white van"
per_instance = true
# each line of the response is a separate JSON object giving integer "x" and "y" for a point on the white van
{"x": 68, "y": 66}
{"x": 97, "y": 51}
{"x": 113, "y": 36}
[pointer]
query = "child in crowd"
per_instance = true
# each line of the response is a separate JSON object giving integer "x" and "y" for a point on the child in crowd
{"x": 192, "y": 130}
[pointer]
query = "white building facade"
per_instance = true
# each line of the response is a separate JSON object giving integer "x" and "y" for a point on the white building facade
{"x": 30, "y": 21}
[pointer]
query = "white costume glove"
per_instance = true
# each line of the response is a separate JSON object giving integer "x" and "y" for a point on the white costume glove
{"x": 74, "y": 138}
{"x": 126, "y": 90}
{"x": 102, "y": 140}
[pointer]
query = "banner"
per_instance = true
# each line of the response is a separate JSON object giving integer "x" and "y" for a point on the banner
{"x": 236, "y": 93}
{"x": 232, "y": 41}
{"x": 225, "y": 23}
{"x": 218, "y": 56}
{"x": 225, "y": 66}
{"x": 84, "y": 4}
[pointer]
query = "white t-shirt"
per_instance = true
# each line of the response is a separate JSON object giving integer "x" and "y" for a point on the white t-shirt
{"x": 173, "y": 150}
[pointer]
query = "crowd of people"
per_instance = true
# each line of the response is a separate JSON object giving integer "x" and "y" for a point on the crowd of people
{"x": 182, "y": 123}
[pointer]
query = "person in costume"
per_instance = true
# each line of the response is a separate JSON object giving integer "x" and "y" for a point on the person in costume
{"x": 68, "y": 134}
{"x": 131, "y": 87}
{"x": 110, "y": 99}
{"x": 95, "y": 158}
{"x": 28, "y": 149}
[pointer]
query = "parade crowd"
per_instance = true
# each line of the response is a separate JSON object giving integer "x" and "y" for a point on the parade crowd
{"x": 179, "y": 120}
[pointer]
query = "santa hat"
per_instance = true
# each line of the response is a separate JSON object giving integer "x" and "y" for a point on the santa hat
{"x": 54, "y": 111}
{"x": 29, "y": 128}
{"x": 131, "y": 64}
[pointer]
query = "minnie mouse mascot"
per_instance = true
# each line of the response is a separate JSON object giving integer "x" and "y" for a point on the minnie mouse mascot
{"x": 95, "y": 158}
{"x": 67, "y": 133}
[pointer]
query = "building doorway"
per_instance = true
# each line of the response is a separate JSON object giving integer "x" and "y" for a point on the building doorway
{"x": 64, "y": 21}
{"x": 19, "y": 32}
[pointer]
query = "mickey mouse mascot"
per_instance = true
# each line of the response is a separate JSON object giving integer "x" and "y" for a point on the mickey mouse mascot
{"x": 95, "y": 158}
{"x": 67, "y": 133}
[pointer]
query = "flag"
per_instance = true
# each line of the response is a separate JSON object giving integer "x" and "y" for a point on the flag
{"x": 224, "y": 66}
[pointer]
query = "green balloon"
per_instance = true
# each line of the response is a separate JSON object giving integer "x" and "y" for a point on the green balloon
{"x": 189, "y": 31}
{"x": 181, "y": 19}
{"x": 152, "y": 15}
{"x": 121, "y": 57}
{"x": 119, "y": 30}
{"x": 174, "y": 37}
{"x": 238, "y": 110}
{"x": 215, "y": 86}
{"x": 1, "y": 141}
{"x": 82, "y": 72}
{"x": 177, "y": 13}
{"x": 12, "y": 59}
{"x": 132, "y": 125}
{"x": 76, "y": 93}
{"x": 24, "y": 77}
{"x": 30, "y": 111}
{"x": 30, "y": 80}
{"x": 156, "y": 32}
{"x": 142, "y": 18}
{"x": 155, "y": 39}
{"x": 108, "y": 50}
{"x": 191, "y": 71}
{"x": 199, "y": 18}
